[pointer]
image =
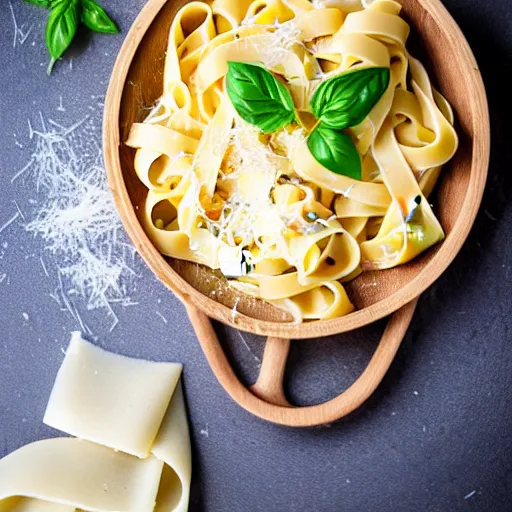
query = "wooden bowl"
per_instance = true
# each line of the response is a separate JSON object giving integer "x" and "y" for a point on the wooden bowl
{"x": 136, "y": 83}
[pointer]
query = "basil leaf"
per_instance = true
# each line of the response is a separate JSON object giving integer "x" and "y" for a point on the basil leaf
{"x": 345, "y": 100}
{"x": 40, "y": 3}
{"x": 335, "y": 150}
{"x": 258, "y": 97}
{"x": 95, "y": 18}
{"x": 61, "y": 27}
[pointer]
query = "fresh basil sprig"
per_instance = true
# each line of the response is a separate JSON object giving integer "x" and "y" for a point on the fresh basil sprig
{"x": 64, "y": 19}
{"x": 95, "y": 18}
{"x": 341, "y": 102}
{"x": 346, "y": 99}
{"x": 61, "y": 28}
{"x": 259, "y": 97}
{"x": 335, "y": 150}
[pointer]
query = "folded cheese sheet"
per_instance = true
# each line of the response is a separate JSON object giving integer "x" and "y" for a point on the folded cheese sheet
{"x": 131, "y": 452}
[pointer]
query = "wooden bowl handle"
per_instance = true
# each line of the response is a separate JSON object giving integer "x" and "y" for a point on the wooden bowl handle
{"x": 266, "y": 398}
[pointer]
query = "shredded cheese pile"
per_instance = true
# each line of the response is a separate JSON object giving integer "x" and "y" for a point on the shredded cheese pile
{"x": 74, "y": 215}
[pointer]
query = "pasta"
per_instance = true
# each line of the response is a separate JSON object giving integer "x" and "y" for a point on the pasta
{"x": 133, "y": 449}
{"x": 233, "y": 190}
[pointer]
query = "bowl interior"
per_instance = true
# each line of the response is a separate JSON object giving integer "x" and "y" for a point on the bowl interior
{"x": 437, "y": 41}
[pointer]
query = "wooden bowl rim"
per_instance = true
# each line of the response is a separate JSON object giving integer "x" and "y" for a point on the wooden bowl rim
{"x": 186, "y": 292}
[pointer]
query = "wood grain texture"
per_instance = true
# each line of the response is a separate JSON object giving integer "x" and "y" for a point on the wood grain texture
{"x": 135, "y": 85}
{"x": 267, "y": 401}
{"x": 269, "y": 386}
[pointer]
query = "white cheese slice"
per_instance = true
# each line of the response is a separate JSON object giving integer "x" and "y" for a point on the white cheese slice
{"x": 113, "y": 400}
{"x": 118, "y": 402}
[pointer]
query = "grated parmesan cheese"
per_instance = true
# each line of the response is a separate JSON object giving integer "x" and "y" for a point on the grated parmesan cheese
{"x": 256, "y": 163}
{"x": 286, "y": 34}
{"x": 75, "y": 217}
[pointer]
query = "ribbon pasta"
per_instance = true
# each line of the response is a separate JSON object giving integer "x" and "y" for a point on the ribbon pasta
{"x": 222, "y": 192}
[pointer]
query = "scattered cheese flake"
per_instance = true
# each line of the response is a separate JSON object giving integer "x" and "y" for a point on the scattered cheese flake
{"x": 19, "y": 209}
{"x": 44, "y": 267}
{"x": 256, "y": 358}
{"x": 9, "y": 222}
{"x": 164, "y": 320}
{"x": 75, "y": 217}
{"x": 61, "y": 108}
{"x": 15, "y": 23}
{"x": 286, "y": 34}
{"x": 21, "y": 33}
{"x": 234, "y": 312}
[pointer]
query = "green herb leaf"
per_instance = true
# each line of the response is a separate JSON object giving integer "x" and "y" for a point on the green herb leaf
{"x": 335, "y": 150}
{"x": 61, "y": 27}
{"x": 40, "y": 3}
{"x": 345, "y": 100}
{"x": 95, "y": 18}
{"x": 258, "y": 97}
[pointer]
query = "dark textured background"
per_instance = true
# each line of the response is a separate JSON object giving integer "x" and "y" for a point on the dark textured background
{"x": 436, "y": 436}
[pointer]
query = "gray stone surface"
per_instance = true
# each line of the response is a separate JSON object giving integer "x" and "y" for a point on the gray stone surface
{"x": 436, "y": 436}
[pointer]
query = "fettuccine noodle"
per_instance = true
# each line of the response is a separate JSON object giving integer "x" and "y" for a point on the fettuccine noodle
{"x": 224, "y": 195}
